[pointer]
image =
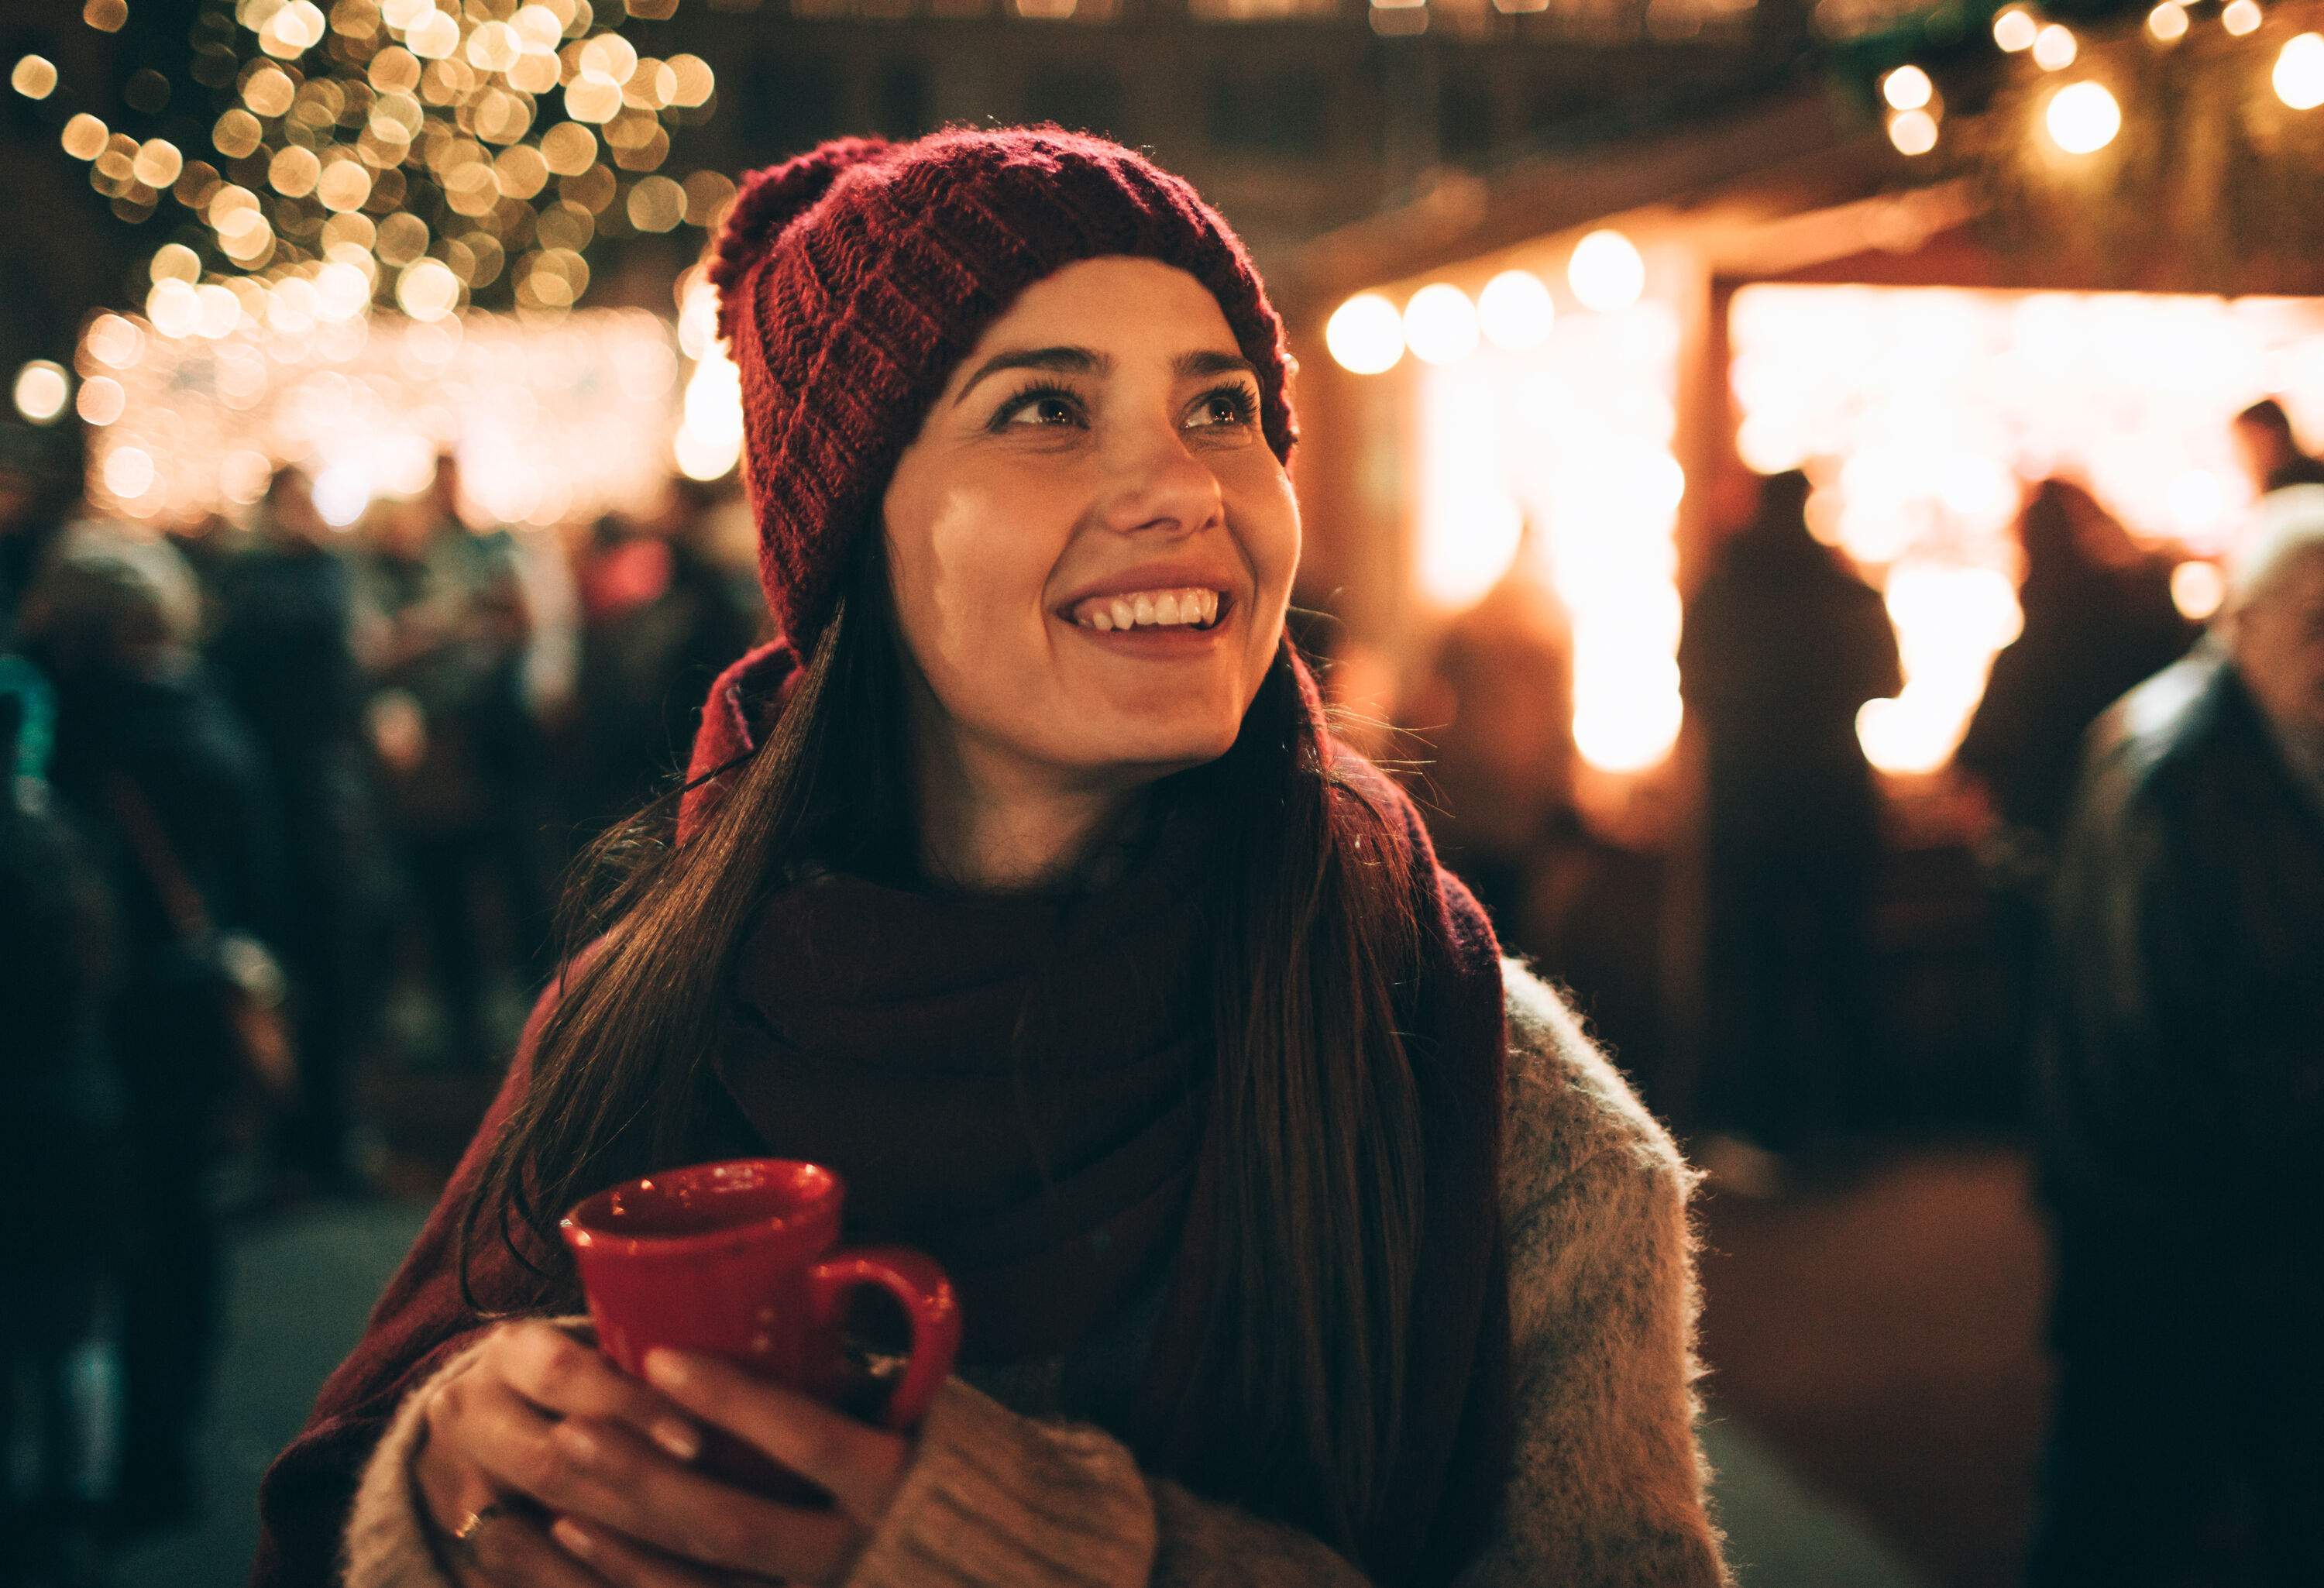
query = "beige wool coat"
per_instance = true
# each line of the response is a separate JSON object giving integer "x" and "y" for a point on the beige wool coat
{"x": 1608, "y": 1488}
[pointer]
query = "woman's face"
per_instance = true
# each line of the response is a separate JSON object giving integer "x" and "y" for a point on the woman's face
{"x": 1090, "y": 542}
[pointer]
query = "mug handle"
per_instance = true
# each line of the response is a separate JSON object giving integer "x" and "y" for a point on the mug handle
{"x": 922, "y": 1290}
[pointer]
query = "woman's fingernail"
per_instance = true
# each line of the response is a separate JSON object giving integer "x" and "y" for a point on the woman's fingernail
{"x": 576, "y": 1442}
{"x": 568, "y": 1532}
{"x": 678, "y": 1438}
{"x": 667, "y": 1369}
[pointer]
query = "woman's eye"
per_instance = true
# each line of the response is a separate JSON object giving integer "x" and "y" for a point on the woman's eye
{"x": 1229, "y": 405}
{"x": 1040, "y": 410}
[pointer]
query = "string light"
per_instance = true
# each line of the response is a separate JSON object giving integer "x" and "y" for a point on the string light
{"x": 1907, "y": 88}
{"x": 2013, "y": 30}
{"x": 1913, "y": 132}
{"x": 2241, "y": 17}
{"x": 2299, "y": 75}
{"x": 2082, "y": 118}
{"x": 40, "y": 389}
{"x": 1365, "y": 334}
{"x": 2167, "y": 22}
{"x": 1606, "y": 271}
{"x": 2055, "y": 47}
{"x": 34, "y": 76}
{"x": 1516, "y": 311}
{"x": 471, "y": 120}
{"x": 1440, "y": 324}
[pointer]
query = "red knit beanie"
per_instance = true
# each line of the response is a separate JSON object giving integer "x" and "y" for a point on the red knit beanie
{"x": 853, "y": 279}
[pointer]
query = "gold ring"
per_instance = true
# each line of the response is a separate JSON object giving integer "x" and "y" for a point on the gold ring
{"x": 465, "y": 1535}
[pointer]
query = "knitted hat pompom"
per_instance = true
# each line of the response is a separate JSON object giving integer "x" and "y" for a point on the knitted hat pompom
{"x": 767, "y": 202}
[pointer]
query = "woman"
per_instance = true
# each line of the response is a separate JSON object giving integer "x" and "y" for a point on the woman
{"x": 1094, "y": 965}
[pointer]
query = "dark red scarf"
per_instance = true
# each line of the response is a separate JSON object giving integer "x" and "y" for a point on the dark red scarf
{"x": 1014, "y": 1084}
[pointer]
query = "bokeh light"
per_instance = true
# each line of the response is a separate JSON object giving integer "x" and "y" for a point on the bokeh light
{"x": 1907, "y": 88}
{"x": 2167, "y": 22}
{"x": 2299, "y": 75}
{"x": 1516, "y": 311}
{"x": 2082, "y": 118}
{"x": 2241, "y": 17}
{"x": 1606, "y": 271}
{"x": 34, "y": 76}
{"x": 1365, "y": 334}
{"x": 2055, "y": 47}
{"x": 1440, "y": 324}
{"x": 40, "y": 389}
{"x": 2013, "y": 30}
{"x": 1913, "y": 132}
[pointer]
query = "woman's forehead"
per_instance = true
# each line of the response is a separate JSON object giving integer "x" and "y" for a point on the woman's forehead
{"x": 1120, "y": 304}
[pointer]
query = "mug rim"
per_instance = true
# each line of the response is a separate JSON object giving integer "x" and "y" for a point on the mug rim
{"x": 583, "y": 1235}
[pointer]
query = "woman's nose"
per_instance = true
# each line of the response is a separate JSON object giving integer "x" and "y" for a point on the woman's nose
{"x": 1156, "y": 483}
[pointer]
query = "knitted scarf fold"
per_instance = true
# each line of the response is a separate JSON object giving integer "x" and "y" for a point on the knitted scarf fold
{"x": 1016, "y": 1085}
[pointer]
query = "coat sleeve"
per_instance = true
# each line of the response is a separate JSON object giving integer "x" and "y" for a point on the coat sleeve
{"x": 1606, "y": 1488}
{"x": 420, "y": 1322}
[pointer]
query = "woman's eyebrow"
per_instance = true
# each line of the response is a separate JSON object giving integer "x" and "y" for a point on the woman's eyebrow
{"x": 1190, "y": 364}
{"x": 1078, "y": 361}
{"x": 1084, "y": 361}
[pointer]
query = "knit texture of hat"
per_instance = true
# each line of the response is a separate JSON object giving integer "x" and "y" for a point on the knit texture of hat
{"x": 853, "y": 278}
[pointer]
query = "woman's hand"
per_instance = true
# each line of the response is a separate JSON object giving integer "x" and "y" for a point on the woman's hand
{"x": 581, "y": 1472}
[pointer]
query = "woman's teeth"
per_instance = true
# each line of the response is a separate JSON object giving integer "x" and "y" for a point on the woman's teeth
{"x": 1149, "y": 609}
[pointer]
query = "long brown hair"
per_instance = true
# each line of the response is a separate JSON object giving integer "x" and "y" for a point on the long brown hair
{"x": 1319, "y": 1169}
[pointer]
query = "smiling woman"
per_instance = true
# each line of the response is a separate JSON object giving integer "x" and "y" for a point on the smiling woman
{"x": 1298, "y": 1236}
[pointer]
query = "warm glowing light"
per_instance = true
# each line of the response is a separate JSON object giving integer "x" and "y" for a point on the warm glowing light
{"x": 2082, "y": 118}
{"x": 106, "y": 16}
{"x": 35, "y": 77}
{"x": 84, "y": 137}
{"x": 2241, "y": 17}
{"x": 694, "y": 81}
{"x": 2055, "y": 47}
{"x": 1606, "y": 271}
{"x": 1440, "y": 324}
{"x": 2299, "y": 75}
{"x": 433, "y": 37}
{"x": 2167, "y": 22}
{"x": 1516, "y": 311}
{"x": 157, "y": 163}
{"x": 1365, "y": 334}
{"x": 1926, "y": 413}
{"x": 114, "y": 341}
{"x": 42, "y": 387}
{"x": 174, "y": 261}
{"x": 656, "y": 204}
{"x": 128, "y": 472}
{"x": 1574, "y": 436}
{"x": 1913, "y": 132}
{"x": 427, "y": 289}
{"x": 100, "y": 400}
{"x": 2197, "y": 589}
{"x": 709, "y": 439}
{"x": 1907, "y": 88}
{"x": 2013, "y": 30}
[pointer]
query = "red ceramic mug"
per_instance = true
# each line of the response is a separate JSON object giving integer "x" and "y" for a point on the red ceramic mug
{"x": 737, "y": 1261}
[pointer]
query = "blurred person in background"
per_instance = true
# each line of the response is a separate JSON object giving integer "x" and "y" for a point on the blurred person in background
{"x": 2182, "y": 1106}
{"x": 463, "y": 751}
{"x": 63, "y": 1160}
{"x": 664, "y": 611}
{"x": 1782, "y": 647}
{"x": 2270, "y": 450}
{"x": 159, "y": 772}
{"x": 40, "y": 484}
{"x": 285, "y": 646}
{"x": 2098, "y": 618}
{"x": 1496, "y": 712}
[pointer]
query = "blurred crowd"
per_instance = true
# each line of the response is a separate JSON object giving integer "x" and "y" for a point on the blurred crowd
{"x": 2142, "y": 798}
{"x": 290, "y": 801}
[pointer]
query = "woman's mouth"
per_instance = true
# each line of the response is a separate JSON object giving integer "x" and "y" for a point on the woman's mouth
{"x": 1181, "y": 610}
